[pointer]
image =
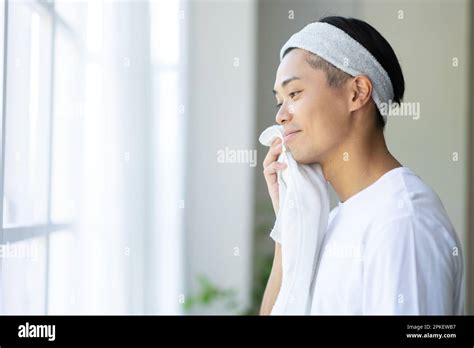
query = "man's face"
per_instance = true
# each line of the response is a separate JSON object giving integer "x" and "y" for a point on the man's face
{"x": 308, "y": 105}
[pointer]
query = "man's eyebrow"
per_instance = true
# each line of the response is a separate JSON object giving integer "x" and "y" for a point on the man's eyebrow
{"x": 287, "y": 81}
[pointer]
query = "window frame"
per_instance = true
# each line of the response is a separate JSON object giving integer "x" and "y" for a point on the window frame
{"x": 21, "y": 232}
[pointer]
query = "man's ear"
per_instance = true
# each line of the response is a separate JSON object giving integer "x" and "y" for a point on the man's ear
{"x": 360, "y": 92}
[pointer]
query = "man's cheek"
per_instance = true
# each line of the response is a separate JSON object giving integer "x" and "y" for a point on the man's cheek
{"x": 298, "y": 108}
{"x": 291, "y": 108}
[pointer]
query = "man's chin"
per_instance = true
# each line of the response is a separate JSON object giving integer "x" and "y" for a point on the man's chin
{"x": 301, "y": 158}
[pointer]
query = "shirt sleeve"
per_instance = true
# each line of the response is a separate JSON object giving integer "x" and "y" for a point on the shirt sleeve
{"x": 275, "y": 233}
{"x": 408, "y": 269}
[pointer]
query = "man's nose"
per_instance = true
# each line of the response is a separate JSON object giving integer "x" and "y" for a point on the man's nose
{"x": 284, "y": 114}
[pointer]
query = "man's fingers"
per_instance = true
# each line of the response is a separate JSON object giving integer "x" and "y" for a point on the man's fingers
{"x": 273, "y": 168}
{"x": 272, "y": 154}
{"x": 276, "y": 141}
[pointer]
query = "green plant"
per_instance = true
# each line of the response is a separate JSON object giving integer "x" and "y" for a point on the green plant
{"x": 210, "y": 293}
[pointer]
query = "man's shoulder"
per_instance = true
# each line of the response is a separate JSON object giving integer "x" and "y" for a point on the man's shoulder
{"x": 411, "y": 207}
{"x": 410, "y": 198}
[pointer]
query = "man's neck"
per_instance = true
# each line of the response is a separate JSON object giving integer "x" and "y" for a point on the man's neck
{"x": 357, "y": 164}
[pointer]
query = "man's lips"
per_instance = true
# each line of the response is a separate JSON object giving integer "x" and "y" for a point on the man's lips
{"x": 290, "y": 134}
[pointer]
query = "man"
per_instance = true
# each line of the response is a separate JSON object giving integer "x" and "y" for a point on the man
{"x": 389, "y": 247}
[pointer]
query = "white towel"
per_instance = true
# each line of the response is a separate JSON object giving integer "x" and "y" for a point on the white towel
{"x": 301, "y": 223}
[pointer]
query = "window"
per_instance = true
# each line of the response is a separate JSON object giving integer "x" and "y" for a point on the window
{"x": 40, "y": 133}
{"x": 93, "y": 113}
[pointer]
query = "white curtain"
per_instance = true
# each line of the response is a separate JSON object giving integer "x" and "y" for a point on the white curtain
{"x": 116, "y": 188}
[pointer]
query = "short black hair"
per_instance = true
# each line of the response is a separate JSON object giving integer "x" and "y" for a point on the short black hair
{"x": 376, "y": 44}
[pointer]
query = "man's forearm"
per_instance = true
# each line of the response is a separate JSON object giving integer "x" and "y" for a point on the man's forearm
{"x": 271, "y": 293}
{"x": 274, "y": 283}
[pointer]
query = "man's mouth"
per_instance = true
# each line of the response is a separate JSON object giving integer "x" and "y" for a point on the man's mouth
{"x": 290, "y": 135}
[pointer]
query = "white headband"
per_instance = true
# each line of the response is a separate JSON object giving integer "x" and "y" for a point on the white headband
{"x": 338, "y": 48}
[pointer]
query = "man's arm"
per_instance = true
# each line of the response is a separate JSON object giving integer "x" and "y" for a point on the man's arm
{"x": 274, "y": 283}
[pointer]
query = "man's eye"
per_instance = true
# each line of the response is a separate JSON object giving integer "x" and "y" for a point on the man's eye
{"x": 292, "y": 94}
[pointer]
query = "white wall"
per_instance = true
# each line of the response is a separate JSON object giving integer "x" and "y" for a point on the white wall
{"x": 218, "y": 205}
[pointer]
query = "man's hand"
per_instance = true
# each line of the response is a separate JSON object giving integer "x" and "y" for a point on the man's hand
{"x": 270, "y": 168}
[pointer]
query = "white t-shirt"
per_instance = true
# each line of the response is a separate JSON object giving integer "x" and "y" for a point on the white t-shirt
{"x": 390, "y": 249}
